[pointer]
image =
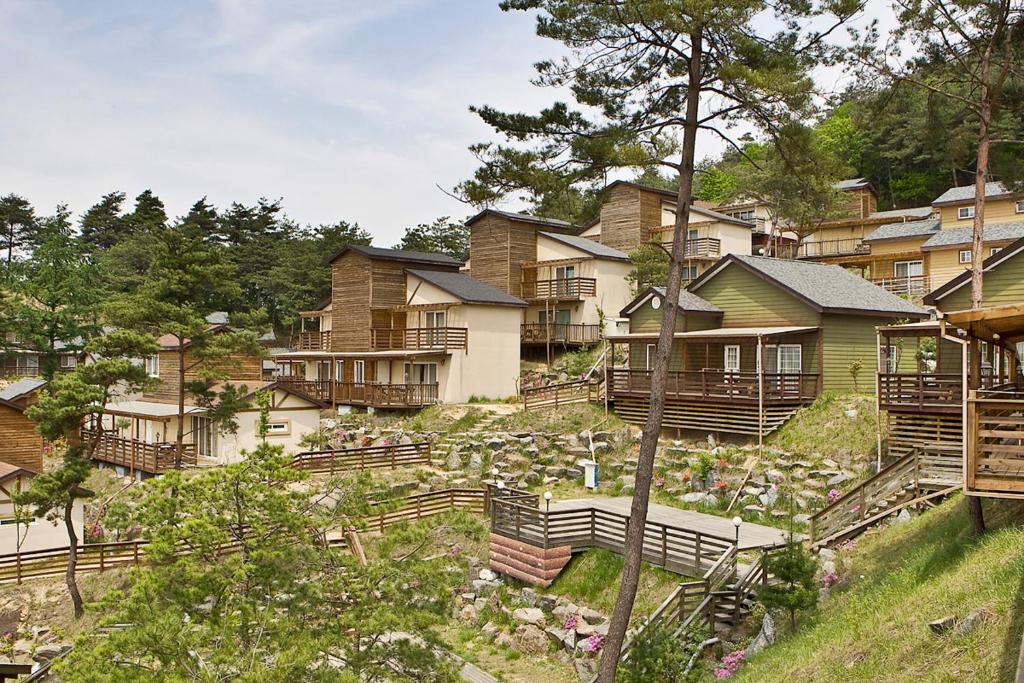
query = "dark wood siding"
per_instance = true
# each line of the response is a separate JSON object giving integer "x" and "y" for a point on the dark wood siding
{"x": 240, "y": 369}
{"x": 20, "y": 444}
{"x": 350, "y": 302}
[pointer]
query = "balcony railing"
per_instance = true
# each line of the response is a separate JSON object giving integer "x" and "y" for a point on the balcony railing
{"x": 711, "y": 384}
{"x": 844, "y": 247}
{"x": 136, "y": 454}
{"x": 366, "y": 393}
{"x": 559, "y": 333}
{"x": 920, "y": 391}
{"x": 912, "y": 284}
{"x": 440, "y": 338}
{"x": 560, "y": 288}
{"x": 700, "y": 247}
{"x": 315, "y": 341}
{"x": 995, "y": 442}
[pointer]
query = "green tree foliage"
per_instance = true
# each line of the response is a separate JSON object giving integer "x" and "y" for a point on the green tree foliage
{"x": 714, "y": 184}
{"x": 187, "y": 280}
{"x": 56, "y": 296}
{"x": 794, "y": 588}
{"x": 650, "y": 267}
{"x": 103, "y": 225}
{"x": 259, "y": 594}
{"x": 70, "y": 401}
{"x": 17, "y": 222}
{"x": 659, "y": 655}
{"x": 443, "y": 236}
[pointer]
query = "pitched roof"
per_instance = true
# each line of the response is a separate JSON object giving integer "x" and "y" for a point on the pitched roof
{"x": 852, "y": 184}
{"x": 522, "y": 218}
{"x": 964, "y": 278}
{"x": 825, "y": 287}
{"x": 914, "y": 212}
{"x": 288, "y": 388}
{"x": 718, "y": 216}
{"x": 688, "y": 301}
{"x": 674, "y": 196}
{"x": 956, "y": 195}
{"x": 990, "y": 233}
{"x": 8, "y": 471}
{"x": 217, "y": 318}
{"x": 595, "y": 249}
{"x": 398, "y": 255}
{"x": 904, "y": 230}
{"x": 21, "y": 388}
{"x": 466, "y": 288}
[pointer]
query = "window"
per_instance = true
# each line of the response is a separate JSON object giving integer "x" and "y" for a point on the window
{"x": 68, "y": 362}
{"x": 421, "y": 373}
{"x": 994, "y": 250}
{"x": 908, "y": 269}
{"x": 965, "y": 212}
{"x": 564, "y": 276}
{"x": 690, "y": 273}
{"x": 434, "y": 319}
{"x": 649, "y": 361}
{"x": 153, "y": 365}
{"x": 1019, "y": 207}
{"x": 965, "y": 256}
{"x": 323, "y": 370}
{"x": 204, "y": 436}
{"x": 339, "y": 370}
{"x": 732, "y": 358}
{"x": 27, "y": 363}
{"x": 889, "y": 359}
{"x": 279, "y": 428}
{"x": 359, "y": 371}
{"x": 745, "y": 215}
{"x": 790, "y": 361}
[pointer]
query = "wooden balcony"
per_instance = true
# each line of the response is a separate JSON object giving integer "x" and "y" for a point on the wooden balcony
{"x": 920, "y": 392}
{"x": 913, "y": 285}
{"x": 440, "y": 338}
{"x": 315, "y": 341}
{"x": 718, "y": 385}
{"x": 566, "y": 334}
{"x": 995, "y": 443}
{"x": 568, "y": 288}
{"x": 701, "y": 247}
{"x": 138, "y": 455}
{"x": 366, "y": 394}
{"x": 845, "y": 247}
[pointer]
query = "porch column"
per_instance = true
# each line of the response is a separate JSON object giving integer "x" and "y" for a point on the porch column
{"x": 878, "y": 397}
{"x": 760, "y": 397}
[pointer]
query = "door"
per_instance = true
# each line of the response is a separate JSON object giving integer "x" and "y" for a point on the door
{"x": 204, "y": 436}
{"x": 563, "y": 318}
{"x": 564, "y": 276}
{"x": 435, "y": 322}
{"x": 359, "y": 372}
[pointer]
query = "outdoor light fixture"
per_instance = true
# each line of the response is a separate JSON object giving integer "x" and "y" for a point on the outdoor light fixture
{"x": 500, "y": 484}
{"x": 736, "y": 522}
{"x": 547, "y": 500}
{"x": 494, "y": 473}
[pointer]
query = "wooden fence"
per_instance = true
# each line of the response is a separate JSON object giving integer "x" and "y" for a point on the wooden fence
{"x": 995, "y": 443}
{"x": 675, "y": 548}
{"x": 343, "y": 460}
{"x": 920, "y": 391}
{"x": 135, "y": 454}
{"x": 563, "y": 393}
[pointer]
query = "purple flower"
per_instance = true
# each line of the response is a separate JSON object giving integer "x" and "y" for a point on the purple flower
{"x": 594, "y": 643}
{"x": 729, "y": 664}
{"x": 829, "y": 579}
{"x": 570, "y": 624}
{"x": 834, "y": 495}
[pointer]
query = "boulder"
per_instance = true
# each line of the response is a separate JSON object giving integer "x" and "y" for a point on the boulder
{"x": 838, "y": 479}
{"x": 530, "y": 640}
{"x": 547, "y": 603}
{"x": 970, "y": 622}
{"x": 495, "y": 443}
{"x": 583, "y": 629}
{"x": 475, "y": 461}
{"x": 775, "y": 475}
{"x": 45, "y": 653}
{"x": 454, "y": 460}
{"x": 765, "y": 637}
{"x": 528, "y": 596}
{"x": 529, "y": 615}
{"x": 940, "y": 626}
{"x": 565, "y": 610}
{"x": 556, "y": 635}
{"x": 592, "y": 616}
{"x": 485, "y": 588}
{"x": 601, "y": 446}
{"x": 490, "y": 629}
{"x": 468, "y": 614}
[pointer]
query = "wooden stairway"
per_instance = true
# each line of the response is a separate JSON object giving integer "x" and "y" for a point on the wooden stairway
{"x": 926, "y": 473}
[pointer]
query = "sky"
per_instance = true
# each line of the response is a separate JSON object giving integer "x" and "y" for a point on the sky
{"x": 351, "y": 110}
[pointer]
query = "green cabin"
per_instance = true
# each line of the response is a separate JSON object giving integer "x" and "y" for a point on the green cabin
{"x": 755, "y": 339}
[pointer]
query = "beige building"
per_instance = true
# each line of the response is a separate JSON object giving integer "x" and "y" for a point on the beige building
{"x": 33, "y": 533}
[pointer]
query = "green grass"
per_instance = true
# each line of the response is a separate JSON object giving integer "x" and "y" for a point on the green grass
{"x": 592, "y": 579}
{"x": 823, "y": 428}
{"x": 875, "y": 628}
{"x": 570, "y": 419}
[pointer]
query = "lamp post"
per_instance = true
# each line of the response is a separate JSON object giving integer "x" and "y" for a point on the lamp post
{"x": 494, "y": 474}
{"x": 547, "y": 500}
{"x": 737, "y": 521}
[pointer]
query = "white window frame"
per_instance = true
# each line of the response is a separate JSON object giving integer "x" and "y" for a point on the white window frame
{"x": 908, "y": 264}
{"x": 435, "y": 318}
{"x": 152, "y": 364}
{"x": 339, "y": 370}
{"x": 800, "y": 358}
{"x": 889, "y": 359}
{"x": 969, "y": 256}
{"x": 726, "y": 365}
{"x": 282, "y": 427}
{"x": 68, "y": 361}
{"x": 359, "y": 372}
{"x": 1018, "y": 207}
{"x": 649, "y": 359}
{"x": 965, "y": 212}
{"x": 994, "y": 250}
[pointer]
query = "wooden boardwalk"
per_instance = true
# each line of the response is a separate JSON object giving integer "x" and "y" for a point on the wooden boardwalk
{"x": 752, "y": 536}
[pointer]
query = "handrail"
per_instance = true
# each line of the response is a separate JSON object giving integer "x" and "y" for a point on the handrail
{"x": 742, "y": 386}
{"x": 920, "y": 389}
{"x": 340, "y": 459}
{"x": 567, "y": 333}
{"x": 439, "y": 338}
{"x": 560, "y": 288}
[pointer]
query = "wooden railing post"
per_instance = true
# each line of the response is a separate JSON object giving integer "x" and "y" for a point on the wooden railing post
{"x": 696, "y": 555}
{"x": 102, "y": 558}
{"x": 860, "y": 494}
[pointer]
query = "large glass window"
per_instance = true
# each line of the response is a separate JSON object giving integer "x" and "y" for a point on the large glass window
{"x": 204, "y": 436}
{"x": 790, "y": 358}
{"x": 153, "y": 365}
{"x": 908, "y": 269}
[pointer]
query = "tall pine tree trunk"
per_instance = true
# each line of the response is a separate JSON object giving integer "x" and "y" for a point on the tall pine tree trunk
{"x": 69, "y": 576}
{"x": 659, "y": 377}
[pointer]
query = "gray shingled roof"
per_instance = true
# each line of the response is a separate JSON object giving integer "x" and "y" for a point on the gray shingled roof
{"x": 467, "y": 288}
{"x": 828, "y": 286}
{"x": 217, "y": 318}
{"x": 589, "y": 246}
{"x": 991, "y": 233}
{"x": 851, "y": 183}
{"x": 895, "y": 231}
{"x": 25, "y": 385}
{"x": 525, "y": 217}
{"x": 914, "y": 212}
{"x": 688, "y": 301}
{"x": 399, "y": 255}
{"x": 966, "y": 192}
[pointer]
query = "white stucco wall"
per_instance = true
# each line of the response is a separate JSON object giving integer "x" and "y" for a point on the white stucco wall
{"x": 39, "y": 534}
{"x": 301, "y": 415}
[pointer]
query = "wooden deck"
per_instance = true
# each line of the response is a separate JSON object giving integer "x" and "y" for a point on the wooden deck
{"x": 752, "y": 535}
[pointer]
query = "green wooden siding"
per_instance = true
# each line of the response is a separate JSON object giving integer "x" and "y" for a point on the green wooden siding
{"x": 846, "y": 338}
{"x": 751, "y": 301}
{"x": 647, "y": 320}
{"x": 1003, "y": 285}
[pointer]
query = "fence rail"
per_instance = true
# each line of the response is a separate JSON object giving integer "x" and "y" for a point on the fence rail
{"x": 563, "y": 393}
{"x": 733, "y": 387}
{"x": 841, "y": 247}
{"x": 920, "y": 390}
{"x": 315, "y": 341}
{"x": 436, "y": 338}
{"x": 911, "y": 284}
{"x": 342, "y": 459}
{"x": 136, "y": 454}
{"x": 995, "y": 443}
{"x": 365, "y": 393}
{"x": 559, "y": 333}
{"x": 560, "y": 288}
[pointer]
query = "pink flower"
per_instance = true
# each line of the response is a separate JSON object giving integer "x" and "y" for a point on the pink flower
{"x": 834, "y": 495}
{"x": 659, "y": 482}
{"x": 855, "y": 509}
{"x": 848, "y": 544}
{"x": 829, "y": 579}
{"x": 570, "y": 624}
{"x": 729, "y": 664}
{"x": 594, "y": 643}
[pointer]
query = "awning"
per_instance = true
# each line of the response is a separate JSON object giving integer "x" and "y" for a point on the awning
{"x": 717, "y": 333}
{"x": 149, "y": 410}
{"x": 998, "y": 324}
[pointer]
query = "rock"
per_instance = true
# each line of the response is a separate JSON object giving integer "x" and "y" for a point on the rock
{"x": 475, "y": 461}
{"x": 783, "y": 464}
{"x": 45, "y": 653}
{"x": 530, "y": 639}
{"x": 770, "y": 497}
{"x": 487, "y": 575}
{"x": 454, "y": 460}
{"x": 484, "y": 588}
{"x": 775, "y": 475}
{"x": 564, "y": 611}
{"x": 757, "y": 509}
{"x": 592, "y": 616}
{"x": 801, "y": 518}
{"x": 529, "y": 615}
{"x": 753, "y": 490}
{"x": 468, "y": 614}
{"x": 480, "y": 604}
{"x": 970, "y": 622}
{"x": 490, "y": 629}
{"x": 528, "y": 596}
{"x": 826, "y": 554}
{"x": 504, "y": 640}
{"x": 601, "y": 446}
{"x": 547, "y": 603}
{"x": 814, "y": 484}
{"x": 586, "y": 669}
{"x": 556, "y": 635}
{"x": 574, "y": 473}
{"x": 583, "y": 629}
{"x": 828, "y": 567}
{"x": 548, "y": 481}
{"x": 902, "y": 517}
{"x": 764, "y": 638}
{"x": 940, "y": 626}
{"x": 531, "y": 478}
{"x": 494, "y": 443}
{"x": 694, "y": 497}
{"x": 838, "y": 479}
{"x": 569, "y": 642}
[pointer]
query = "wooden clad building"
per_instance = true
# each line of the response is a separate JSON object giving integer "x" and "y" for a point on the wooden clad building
{"x": 757, "y": 338}
{"x": 20, "y": 443}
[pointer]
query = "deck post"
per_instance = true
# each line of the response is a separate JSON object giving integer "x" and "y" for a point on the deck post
{"x": 878, "y": 400}
{"x": 760, "y": 396}
{"x": 860, "y": 505}
{"x": 696, "y": 555}
{"x": 102, "y": 563}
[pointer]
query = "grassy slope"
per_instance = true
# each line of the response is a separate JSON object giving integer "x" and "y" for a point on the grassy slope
{"x": 822, "y": 427}
{"x": 876, "y": 629}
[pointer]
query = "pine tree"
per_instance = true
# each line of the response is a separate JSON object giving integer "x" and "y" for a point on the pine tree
{"x": 443, "y": 236}
{"x": 17, "y": 220}
{"x": 103, "y": 225}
